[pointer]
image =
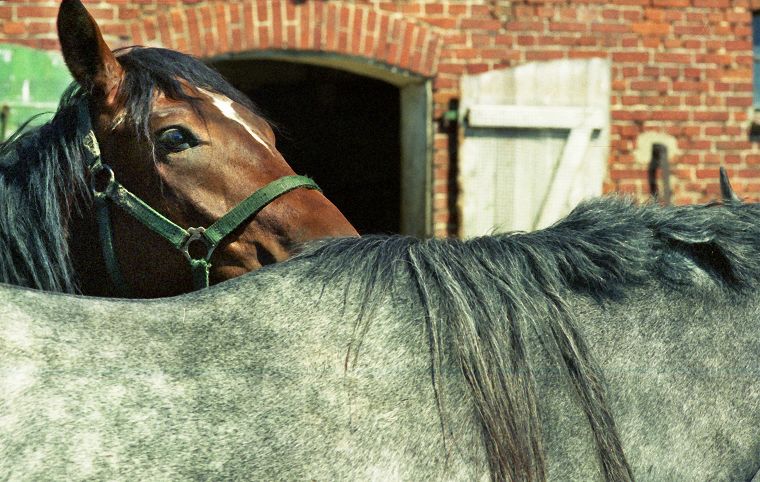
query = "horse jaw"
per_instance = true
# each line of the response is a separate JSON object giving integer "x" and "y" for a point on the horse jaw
{"x": 279, "y": 232}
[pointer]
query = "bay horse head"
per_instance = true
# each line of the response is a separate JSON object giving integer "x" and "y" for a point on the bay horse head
{"x": 183, "y": 150}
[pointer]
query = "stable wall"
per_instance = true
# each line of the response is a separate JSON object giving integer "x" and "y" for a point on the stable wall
{"x": 681, "y": 69}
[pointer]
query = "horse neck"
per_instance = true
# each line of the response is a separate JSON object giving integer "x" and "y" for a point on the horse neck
{"x": 86, "y": 256}
{"x": 319, "y": 218}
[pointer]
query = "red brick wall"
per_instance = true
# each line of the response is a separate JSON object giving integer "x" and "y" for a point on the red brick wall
{"x": 680, "y": 67}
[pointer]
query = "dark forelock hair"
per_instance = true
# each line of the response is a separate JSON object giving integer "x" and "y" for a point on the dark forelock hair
{"x": 148, "y": 71}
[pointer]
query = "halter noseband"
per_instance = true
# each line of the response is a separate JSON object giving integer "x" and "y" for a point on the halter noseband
{"x": 177, "y": 236}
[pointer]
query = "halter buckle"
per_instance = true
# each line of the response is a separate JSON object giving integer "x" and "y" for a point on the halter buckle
{"x": 195, "y": 234}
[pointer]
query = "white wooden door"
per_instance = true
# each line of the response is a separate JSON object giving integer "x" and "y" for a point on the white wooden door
{"x": 535, "y": 142}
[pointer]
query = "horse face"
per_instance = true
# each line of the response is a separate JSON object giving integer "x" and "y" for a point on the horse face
{"x": 203, "y": 160}
{"x": 202, "y": 155}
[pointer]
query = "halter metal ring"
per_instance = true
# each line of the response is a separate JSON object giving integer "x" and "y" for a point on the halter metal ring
{"x": 195, "y": 234}
{"x": 95, "y": 176}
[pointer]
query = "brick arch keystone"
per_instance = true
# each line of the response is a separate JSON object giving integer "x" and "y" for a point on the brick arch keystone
{"x": 335, "y": 27}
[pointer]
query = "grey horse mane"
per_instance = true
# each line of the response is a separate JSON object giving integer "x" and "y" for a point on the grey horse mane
{"x": 482, "y": 297}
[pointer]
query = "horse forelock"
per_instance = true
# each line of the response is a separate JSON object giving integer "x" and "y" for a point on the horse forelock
{"x": 42, "y": 183}
{"x": 483, "y": 298}
{"x": 151, "y": 71}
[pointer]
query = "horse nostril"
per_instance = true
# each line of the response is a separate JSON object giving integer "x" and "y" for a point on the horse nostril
{"x": 264, "y": 256}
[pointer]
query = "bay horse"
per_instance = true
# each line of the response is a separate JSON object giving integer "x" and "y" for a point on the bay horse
{"x": 620, "y": 343}
{"x": 150, "y": 162}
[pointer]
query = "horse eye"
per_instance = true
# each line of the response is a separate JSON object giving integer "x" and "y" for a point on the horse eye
{"x": 176, "y": 139}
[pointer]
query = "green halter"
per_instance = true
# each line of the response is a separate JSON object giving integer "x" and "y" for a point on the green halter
{"x": 177, "y": 236}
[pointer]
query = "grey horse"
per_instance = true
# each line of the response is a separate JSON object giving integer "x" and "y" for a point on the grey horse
{"x": 620, "y": 343}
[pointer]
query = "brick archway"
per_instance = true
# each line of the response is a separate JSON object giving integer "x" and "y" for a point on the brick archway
{"x": 334, "y": 27}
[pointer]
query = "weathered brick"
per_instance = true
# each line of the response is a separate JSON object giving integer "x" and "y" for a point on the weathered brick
{"x": 587, "y": 54}
{"x": 14, "y": 28}
{"x": 669, "y": 115}
{"x": 567, "y": 27}
{"x": 711, "y": 3}
{"x": 24, "y": 13}
{"x": 682, "y": 67}
{"x": 544, "y": 55}
{"x": 662, "y": 57}
{"x": 47, "y": 27}
{"x": 736, "y": 144}
{"x": 610, "y": 28}
{"x": 480, "y": 24}
{"x": 630, "y": 57}
{"x": 710, "y": 116}
{"x": 618, "y": 174}
{"x": 651, "y": 85}
{"x": 739, "y": 101}
{"x": 654, "y": 14}
{"x": 526, "y": 40}
{"x": 433, "y": 9}
{"x": 689, "y": 86}
{"x": 651, "y": 28}
{"x": 670, "y": 3}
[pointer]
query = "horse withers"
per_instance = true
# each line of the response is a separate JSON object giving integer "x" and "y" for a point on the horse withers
{"x": 619, "y": 344}
{"x": 182, "y": 149}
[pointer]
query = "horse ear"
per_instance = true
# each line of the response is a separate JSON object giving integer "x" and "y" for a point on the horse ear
{"x": 87, "y": 56}
{"x": 726, "y": 191}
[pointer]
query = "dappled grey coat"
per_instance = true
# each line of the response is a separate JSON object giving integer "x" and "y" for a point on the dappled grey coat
{"x": 621, "y": 342}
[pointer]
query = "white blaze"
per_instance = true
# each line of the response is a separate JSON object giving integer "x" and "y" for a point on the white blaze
{"x": 224, "y": 104}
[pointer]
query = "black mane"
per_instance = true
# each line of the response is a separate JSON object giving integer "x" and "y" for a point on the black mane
{"x": 42, "y": 172}
{"x": 484, "y": 297}
{"x": 602, "y": 248}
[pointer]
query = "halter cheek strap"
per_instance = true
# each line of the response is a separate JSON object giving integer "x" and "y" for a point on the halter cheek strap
{"x": 105, "y": 188}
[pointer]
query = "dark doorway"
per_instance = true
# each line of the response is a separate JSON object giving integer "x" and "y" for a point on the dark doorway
{"x": 340, "y": 128}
